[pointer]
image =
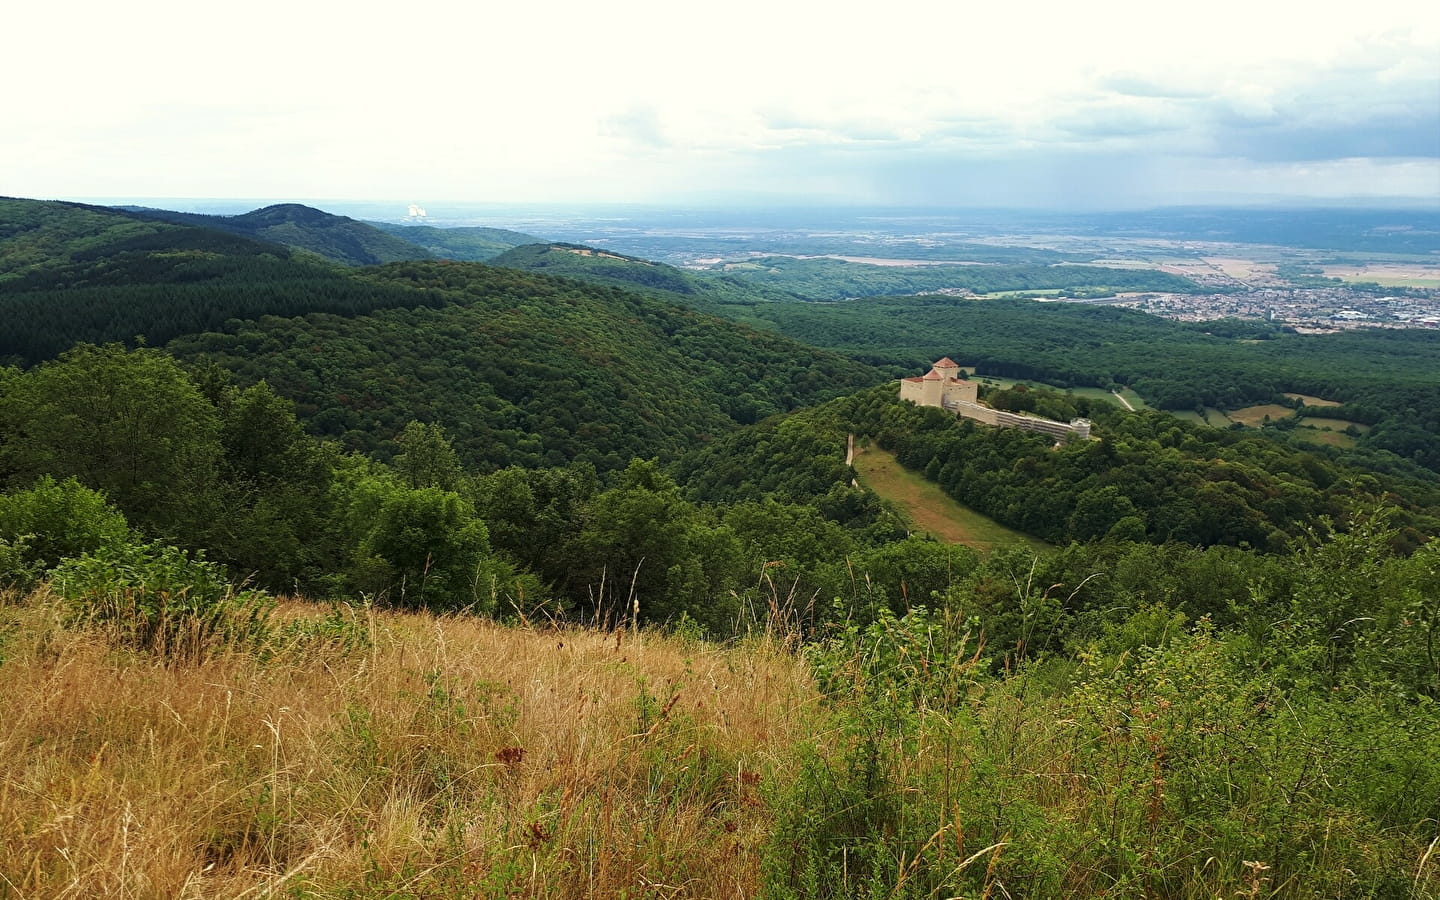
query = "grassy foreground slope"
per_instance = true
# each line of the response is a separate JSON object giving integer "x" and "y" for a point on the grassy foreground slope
{"x": 414, "y": 756}
{"x": 451, "y": 758}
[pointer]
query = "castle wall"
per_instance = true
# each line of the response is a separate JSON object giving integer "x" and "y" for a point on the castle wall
{"x": 961, "y": 396}
{"x": 961, "y": 391}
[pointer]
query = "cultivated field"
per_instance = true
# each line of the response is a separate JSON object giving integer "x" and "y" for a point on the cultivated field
{"x": 1389, "y": 274}
{"x": 1325, "y": 437}
{"x": 1308, "y": 400}
{"x": 1333, "y": 424}
{"x": 1255, "y": 416}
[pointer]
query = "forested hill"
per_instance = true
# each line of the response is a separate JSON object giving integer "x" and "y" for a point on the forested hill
{"x": 72, "y": 273}
{"x": 834, "y": 279}
{"x": 705, "y": 290}
{"x": 465, "y": 244}
{"x": 336, "y": 238}
{"x": 1386, "y": 378}
{"x": 527, "y": 370}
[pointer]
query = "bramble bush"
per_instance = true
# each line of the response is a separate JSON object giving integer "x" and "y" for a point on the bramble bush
{"x": 52, "y": 521}
{"x": 159, "y": 599}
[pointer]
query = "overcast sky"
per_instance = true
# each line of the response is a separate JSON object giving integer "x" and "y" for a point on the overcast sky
{"x": 1066, "y": 104}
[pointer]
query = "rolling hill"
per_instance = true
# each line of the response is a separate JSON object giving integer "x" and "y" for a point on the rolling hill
{"x": 526, "y": 369}
{"x": 71, "y": 273}
{"x": 336, "y": 238}
{"x": 521, "y": 368}
{"x": 700, "y": 289}
{"x": 466, "y": 244}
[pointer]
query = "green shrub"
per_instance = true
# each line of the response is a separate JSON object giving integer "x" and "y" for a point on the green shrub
{"x": 17, "y": 569}
{"x": 53, "y": 521}
{"x": 860, "y": 817}
{"x": 159, "y": 599}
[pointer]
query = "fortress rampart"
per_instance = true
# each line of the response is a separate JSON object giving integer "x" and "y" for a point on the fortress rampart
{"x": 942, "y": 386}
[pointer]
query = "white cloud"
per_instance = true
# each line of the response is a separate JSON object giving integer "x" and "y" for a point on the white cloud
{"x": 649, "y": 100}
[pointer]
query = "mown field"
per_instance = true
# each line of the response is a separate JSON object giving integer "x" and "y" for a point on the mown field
{"x": 929, "y": 508}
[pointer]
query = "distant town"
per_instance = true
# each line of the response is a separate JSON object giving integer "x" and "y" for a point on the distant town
{"x": 1307, "y": 310}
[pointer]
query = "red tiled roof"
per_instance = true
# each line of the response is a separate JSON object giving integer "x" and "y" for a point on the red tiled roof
{"x": 932, "y": 375}
{"x": 917, "y": 379}
{"x": 947, "y": 363}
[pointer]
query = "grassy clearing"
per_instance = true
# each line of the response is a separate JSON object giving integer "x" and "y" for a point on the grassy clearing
{"x": 1216, "y": 418}
{"x": 454, "y": 758}
{"x": 1325, "y": 437}
{"x": 1095, "y": 393}
{"x": 1038, "y": 292}
{"x": 929, "y": 508}
{"x": 1255, "y": 416}
{"x": 1327, "y": 424}
{"x": 1308, "y": 400}
{"x": 1092, "y": 393}
{"x": 1213, "y": 417}
{"x": 1135, "y": 399}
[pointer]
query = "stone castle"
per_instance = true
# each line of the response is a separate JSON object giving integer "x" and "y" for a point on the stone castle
{"x": 944, "y": 387}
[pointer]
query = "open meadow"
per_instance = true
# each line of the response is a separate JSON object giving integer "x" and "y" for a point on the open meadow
{"x": 930, "y": 509}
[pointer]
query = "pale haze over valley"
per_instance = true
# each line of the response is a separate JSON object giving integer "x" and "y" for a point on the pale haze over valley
{"x": 1098, "y": 105}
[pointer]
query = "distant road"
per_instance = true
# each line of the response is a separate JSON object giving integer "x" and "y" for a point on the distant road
{"x": 1121, "y": 397}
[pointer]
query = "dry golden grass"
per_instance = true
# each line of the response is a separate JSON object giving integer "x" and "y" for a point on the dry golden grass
{"x": 1311, "y": 400}
{"x": 1255, "y": 416}
{"x": 454, "y": 757}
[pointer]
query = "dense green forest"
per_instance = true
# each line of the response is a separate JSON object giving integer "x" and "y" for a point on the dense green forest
{"x": 465, "y": 244}
{"x": 339, "y": 239}
{"x": 70, "y": 274}
{"x": 524, "y": 369}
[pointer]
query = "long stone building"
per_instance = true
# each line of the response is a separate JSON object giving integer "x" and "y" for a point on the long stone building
{"x": 944, "y": 387}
